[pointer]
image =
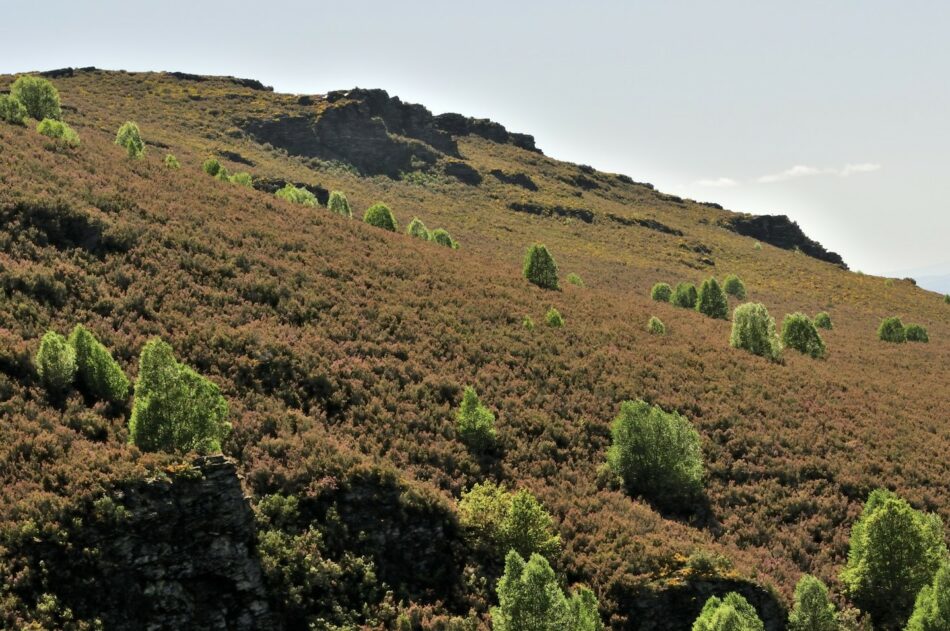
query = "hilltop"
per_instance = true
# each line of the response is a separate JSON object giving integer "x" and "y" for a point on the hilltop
{"x": 343, "y": 351}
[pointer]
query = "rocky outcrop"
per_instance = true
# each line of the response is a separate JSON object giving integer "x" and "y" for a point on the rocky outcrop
{"x": 782, "y": 232}
{"x": 517, "y": 179}
{"x": 553, "y": 211}
{"x": 459, "y": 125}
{"x": 650, "y": 224}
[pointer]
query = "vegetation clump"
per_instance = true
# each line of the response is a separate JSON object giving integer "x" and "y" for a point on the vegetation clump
{"x": 500, "y": 520}
{"x": 734, "y": 286}
{"x": 98, "y": 373}
{"x": 575, "y": 279}
{"x": 12, "y": 110}
{"x": 418, "y": 229}
{"x": 554, "y": 318}
{"x": 813, "y": 609}
{"x": 176, "y": 410}
{"x": 38, "y": 96}
{"x": 657, "y": 454}
{"x": 443, "y": 238}
{"x": 475, "y": 423}
{"x": 730, "y": 613}
{"x": 211, "y": 166}
{"x": 59, "y": 131}
{"x": 172, "y": 162}
{"x": 685, "y": 296}
{"x": 337, "y": 203}
{"x": 799, "y": 332}
{"x": 823, "y": 321}
{"x": 892, "y": 330}
{"x": 243, "y": 179}
{"x": 932, "y": 606}
{"x": 712, "y": 300}
{"x": 753, "y": 329}
{"x": 55, "y": 363}
{"x": 380, "y": 216}
{"x": 540, "y": 268}
{"x": 297, "y": 195}
{"x": 916, "y": 333}
{"x": 130, "y": 138}
{"x": 656, "y": 326}
{"x": 661, "y": 292}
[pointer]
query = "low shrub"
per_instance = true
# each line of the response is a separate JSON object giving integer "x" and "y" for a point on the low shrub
{"x": 443, "y": 238}
{"x": 685, "y": 296}
{"x": 337, "y": 203}
{"x": 242, "y": 179}
{"x": 540, "y": 268}
{"x": 574, "y": 279}
{"x": 757, "y": 245}
{"x": 211, "y": 166}
{"x": 799, "y": 332}
{"x": 297, "y": 195}
{"x": 553, "y": 318}
{"x": 475, "y": 423}
{"x": 712, "y": 300}
{"x": 753, "y": 329}
{"x": 823, "y": 321}
{"x": 418, "y": 229}
{"x": 55, "y": 363}
{"x": 892, "y": 330}
{"x": 172, "y": 162}
{"x": 916, "y": 333}
{"x": 656, "y": 326}
{"x": 130, "y": 137}
{"x": 59, "y": 131}
{"x": 734, "y": 286}
{"x": 380, "y": 216}
{"x": 12, "y": 110}
{"x": 528, "y": 323}
{"x": 661, "y": 292}
{"x": 38, "y": 96}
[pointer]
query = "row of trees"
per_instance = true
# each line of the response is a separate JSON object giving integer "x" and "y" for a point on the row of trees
{"x": 710, "y": 299}
{"x": 892, "y": 329}
{"x": 37, "y": 98}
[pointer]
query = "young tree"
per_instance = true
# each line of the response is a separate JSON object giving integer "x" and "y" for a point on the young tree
{"x": 661, "y": 292}
{"x": 574, "y": 279}
{"x": 540, "y": 268}
{"x": 712, "y": 300}
{"x": 55, "y": 363}
{"x": 799, "y": 332}
{"x": 895, "y": 551}
{"x": 211, "y": 166}
{"x": 657, "y": 454}
{"x": 753, "y": 329}
{"x": 823, "y": 321}
{"x": 130, "y": 138}
{"x": 380, "y": 216}
{"x": 474, "y": 422}
{"x": 916, "y": 333}
{"x": 932, "y": 607}
{"x": 418, "y": 229}
{"x": 38, "y": 96}
{"x": 338, "y": 204}
{"x": 730, "y": 613}
{"x": 297, "y": 195}
{"x": 656, "y": 326}
{"x": 553, "y": 318}
{"x": 443, "y": 238}
{"x": 99, "y": 374}
{"x": 734, "y": 286}
{"x": 813, "y": 610}
{"x": 892, "y": 330}
{"x": 11, "y": 110}
{"x": 501, "y": 520}
{"x": 685, "y": 296}
{"x": 175, "y": 410}
{"x": 172, "y": 162}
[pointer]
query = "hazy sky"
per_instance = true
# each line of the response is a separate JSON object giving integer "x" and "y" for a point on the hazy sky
{"x": 835, "y": 113}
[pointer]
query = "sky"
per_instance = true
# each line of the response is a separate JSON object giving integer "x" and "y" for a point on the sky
{"x": 834, "y": 113}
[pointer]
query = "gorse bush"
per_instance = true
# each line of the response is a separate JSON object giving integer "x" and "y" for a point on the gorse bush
{"x": 176, "y": 410}
{"x": 932, "y": 606}
{"x": 130, "y": 138}
{"x": 894, "y": 552}
{"x": 443, "y": 238}
{"x": 734, "y": 286}
{"x": 685, "y": 296}
{"x": 417, "y": 229}
{"x": 892, "y": 330}
{"x": 172, "y": 162}
{"x": 11, "y": 110}
{"x": 656, "y": 326}
{"x": 661, "y": 292}
{"x": 55, "y": 363}
{"x": 540, "y": 268}
{"x": 916, "y": 333}
{"x": 753, "y": 329}
{"x": 337, "y": 203}
{"x": 574, "y": 279}
{"x": 799, "y": 332}
{"x": 823, "y": 321}
{"x": 553, "y": 318}
{"x": 813, "y": 610}
{"x": 242, "y": 179}
{"x": 500, "y": 520}
{"x": 380, "y": 216}
{"x": 730, "y": 613}
{"x": 38, "y": 96}
{"x": 657, "y": 454}
{"x": 59, "y": 131}
{"x": 211, "y": 166}
{"x": 297, "y": 195}
{"x": 474, "y": 422}
{"x": 98, "y": 373}
{"x": 712, "y": 300}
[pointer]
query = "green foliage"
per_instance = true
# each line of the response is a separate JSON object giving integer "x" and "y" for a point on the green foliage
{"x": 130, "y": 138}
{"x": 656, "y": 326}
{"x": 529, "y": 599}
{"x": 757, "y": 246}
{"x": 99, "y": 374}
{"x": 175, "y": 410}
{"x": 753, "y": 329}
{"x": 540, "y": 268}
{"x": 172, "y": 162}
{"x": 528, "y": 323}
{"x": 222, "y": 175}
{"x": 946, "y": 298}
{"x": 813, "y": 610}
{"x": 730, "y": 613}
{"x": 685, "y": 296}
{"x": 297, "y": 195}
{"x": 574, "y": 279}
{"x": 712, "y": 300}
{"x": 55, "y": 362}
{"x": 657, "y": 454}
{"x": 661, "y": 292}
{"x": 501, "y": 520}
{"x": 823, "y": 321}
{"x": 474, "y": 422}
{"x": 242, "y": 179}
{"x": 799, "y": 332}
{"x": 916, "y": 333}
{"x": 337, "y": 203}
{"x": 11, "y": 110}
{"x": 418, "y": 229}
{"x": 38, "y": 96}
{"x": 443, "y": 238}
{"x": 734, "y": 286}
{"x": 932, "y": 607}
{"x": 895, "y": 551}
{"x": 211, "y": 166}
{"x": 59, "y": 131}
{"x": 380, "y": 216}
{"x": 553, "y": 318}
{"x": 892, "y": 330}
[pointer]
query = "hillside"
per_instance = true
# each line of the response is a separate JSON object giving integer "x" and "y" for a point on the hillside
{"x": 342, "y": 351}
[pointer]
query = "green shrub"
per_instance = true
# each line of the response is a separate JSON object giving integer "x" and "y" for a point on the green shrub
{"x": 443, "y": 238}
{"x": 211, "y": 166}
{"x": 799, "y": 332}
{"x": 823, "y": 321}
{"x": 11, "y": 110}
{"x": 242, "y": 179}
{"x": 730, "y": 613}
{"x": 38, "y": 96}
{"x": 130, "y": 138}
{"x": 656, "y": 326}
{"x": 172, "y": 162}
{"x": 55, "y": 363}
{"x": 540, "y": 268}
{"x": 757, "y": 245}
{"x": 734, "y": 286}
{"x": 222, "y": 175}
{"x": 574, "y": 279}
{"x": 499, "y": 520}
{"x": 380, "y": 216}
{"x": 657, "y": 454}
{"x": 528, "y": 323}
{"x": 916, "y": 333}
{"x": 553, "y": 318}
{"x": 418, "y": 229}
{"x": 712, "y": 300}
{"x": 685, "y": 296}
{"x": 338, "y": 204}
{"x": 753, "y": 329}
{"x": 474, "y": 422}
{"x": 946, "y": 298}
{"x": 661, "y": 292}
{"x": 892, "y": 330}
{"x": 175, "y": 409}
{"x": 297, "y": 195}
{"x": 813, "y": 610}
{"x": 932, "y": 606}
{"x": 894, "y": 552}
{"x": 59, "y": 131}
{"x": 99, "y": 374}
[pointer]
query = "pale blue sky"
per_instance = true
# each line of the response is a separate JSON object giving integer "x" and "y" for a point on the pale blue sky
{"x": 835, "y": 113}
